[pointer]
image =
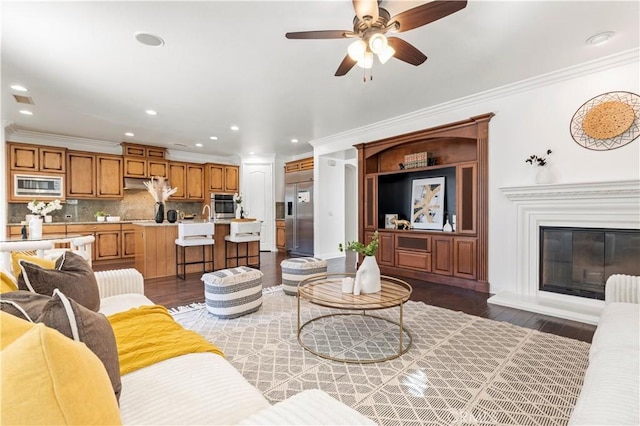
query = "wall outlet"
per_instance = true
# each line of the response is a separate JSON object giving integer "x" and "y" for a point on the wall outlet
{"x": 68, "y": 216}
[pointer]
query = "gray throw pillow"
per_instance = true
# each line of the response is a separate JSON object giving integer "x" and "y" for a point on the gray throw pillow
{"x": 23, "y": 304}
{"x": 72, "y": 275}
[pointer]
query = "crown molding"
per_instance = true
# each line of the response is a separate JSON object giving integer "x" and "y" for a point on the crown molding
{"x": 416, "y": 118}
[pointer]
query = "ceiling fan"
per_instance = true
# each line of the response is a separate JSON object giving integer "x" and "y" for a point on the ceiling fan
{"x": 370, "y": 26}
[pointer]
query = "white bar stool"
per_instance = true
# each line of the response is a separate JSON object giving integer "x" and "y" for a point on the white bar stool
{"x": 193, "y": 235}
{"x": 242, "y": 232}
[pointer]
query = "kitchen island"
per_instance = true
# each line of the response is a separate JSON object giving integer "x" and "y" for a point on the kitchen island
{"x": 156, "y": 249}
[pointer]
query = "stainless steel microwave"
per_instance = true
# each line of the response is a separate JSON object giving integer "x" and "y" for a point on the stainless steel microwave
{"x": 33, "y": 186}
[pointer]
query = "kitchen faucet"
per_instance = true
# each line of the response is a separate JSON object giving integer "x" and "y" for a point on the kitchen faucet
{"x": 207, "y": 207}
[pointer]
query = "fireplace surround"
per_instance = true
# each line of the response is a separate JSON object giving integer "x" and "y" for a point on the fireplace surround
{"x": 600, "y": 205}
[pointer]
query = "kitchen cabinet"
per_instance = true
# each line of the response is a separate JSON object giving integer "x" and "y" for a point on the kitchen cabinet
{"x": 189, "y": 179}
{"x": 128, "y": 240}
{"x": 385, "y": 183}
{"x": 141, "y": 161}
{"x": 36, "y": 158}
{"x": 281, "y": 235}
{"x": 108, "y": 239}
{"x": 81, "y": 172}
{"x": 299, "y": 165}
{"x": 109, "y": 176}
{"x": 16, "y": 230}
{"x": 223, "y": 178}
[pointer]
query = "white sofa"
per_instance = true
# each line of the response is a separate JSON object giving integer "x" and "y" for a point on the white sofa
{"x": 204, "y": 388}
{"x": 610, "y": 393}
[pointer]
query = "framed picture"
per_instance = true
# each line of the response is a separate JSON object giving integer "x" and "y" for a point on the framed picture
{"x": 427, "y": 203}
{"x": 389, "y": 221}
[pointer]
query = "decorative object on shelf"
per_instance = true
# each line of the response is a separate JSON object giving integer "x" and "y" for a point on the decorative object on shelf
{"x": 453, "y": 222}
{"x": 543, "y": 173}
{"x": 390, "y": 221}
{"x": 427, "y": 203}
{"x": 237, "y": 198}
{"x": 607, "y": 121}
{"x": 40, "y": 208}
{"x": 447, "y": 226}
{"x": 401, "y": 224}
{"x": 160, "y": 191}
{"x": 347, "y": 285}
{"x": 419, "y": 159}
{"x": 100, "y": 216}
{"x": 35, "y": 228}
{"x": 159, "y": 213}
{"x": 368, "y": 274}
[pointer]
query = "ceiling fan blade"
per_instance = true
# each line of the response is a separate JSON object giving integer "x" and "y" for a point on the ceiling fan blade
{"x": 345, "y": 66}
{"x": 366, "y": 8}
{"x": 427, "y": 13}
{"x": 406, "y": 52}
{"x": 318, "y": 34}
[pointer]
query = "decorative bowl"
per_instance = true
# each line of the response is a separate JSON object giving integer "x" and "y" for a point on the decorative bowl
{"x": 113, "y": 218}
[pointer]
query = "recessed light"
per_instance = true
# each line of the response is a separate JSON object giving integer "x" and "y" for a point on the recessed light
{"x": 235, "y": 128}
{"x": 151, "y": 112}
{"x": 600, "y": 38}
{"x": 129, "y": 134}
{"x": 19, "y": 88}
{"x": 25, "y": 112}
{"x": 148, "y": 39}
{"x": 213, "y": 138}
{"x": 199, "y": 145}
{"x": 294, "y": 140}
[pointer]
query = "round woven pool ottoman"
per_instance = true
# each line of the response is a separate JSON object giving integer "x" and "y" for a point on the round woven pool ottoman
{"x": 297, "y": 269}
{"x": 233, "y": 292}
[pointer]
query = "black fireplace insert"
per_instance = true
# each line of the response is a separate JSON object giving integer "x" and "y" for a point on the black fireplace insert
{"x": 578, "y": 261}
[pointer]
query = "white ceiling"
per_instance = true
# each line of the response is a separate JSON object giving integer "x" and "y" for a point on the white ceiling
{"x": 228, "y": 62}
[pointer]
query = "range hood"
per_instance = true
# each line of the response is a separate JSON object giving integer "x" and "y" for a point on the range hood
{"x": 134, "y": 183}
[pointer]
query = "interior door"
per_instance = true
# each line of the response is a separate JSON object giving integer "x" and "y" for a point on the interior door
{"x": 257, "y": 191}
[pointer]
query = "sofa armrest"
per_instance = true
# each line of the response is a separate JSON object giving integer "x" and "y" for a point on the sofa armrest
{"x": 119, "y": 281}
{"x": 310, "y": 407}
{"x": 622, "y": 288}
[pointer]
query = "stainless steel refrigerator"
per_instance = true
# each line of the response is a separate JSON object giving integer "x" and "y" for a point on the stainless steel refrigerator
{"x": 298, "y": 198}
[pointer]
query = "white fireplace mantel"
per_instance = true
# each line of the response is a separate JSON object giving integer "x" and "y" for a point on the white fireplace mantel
{"x": 613, "y": 204}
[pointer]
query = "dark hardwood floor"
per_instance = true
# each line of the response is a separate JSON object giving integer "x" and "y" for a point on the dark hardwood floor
{"x": 172, "y": 292}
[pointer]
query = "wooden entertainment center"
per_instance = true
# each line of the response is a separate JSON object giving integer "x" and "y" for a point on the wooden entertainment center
{"x": 460, "y": 151}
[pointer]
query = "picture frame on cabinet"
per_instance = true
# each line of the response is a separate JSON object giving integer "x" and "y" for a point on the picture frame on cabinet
{"x": 389, "y": 221}
{"x": 427, "y": 203}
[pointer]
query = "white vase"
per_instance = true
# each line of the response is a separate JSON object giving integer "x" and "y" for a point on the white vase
{"x": 544, "y": 175}
{"x": 238, "y": 211}
{"x": 447, "y": 227}
{"x": 367, "y": 276}
{"x": 35, "y": 228}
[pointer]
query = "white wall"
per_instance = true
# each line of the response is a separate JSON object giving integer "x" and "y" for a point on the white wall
{"x": 531, "y": 116}
{"x": 329, "y": 206}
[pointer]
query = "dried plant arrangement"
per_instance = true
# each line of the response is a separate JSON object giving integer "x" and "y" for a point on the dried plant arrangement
{"x": 159, "y": 189}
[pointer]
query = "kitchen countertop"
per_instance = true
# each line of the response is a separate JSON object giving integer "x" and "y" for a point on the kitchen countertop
{"x": 149, "y": 222}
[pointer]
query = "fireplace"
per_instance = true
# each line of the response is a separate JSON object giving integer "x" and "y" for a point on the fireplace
{"x": 578, "y": 261}
{"x": 592, "y": 206}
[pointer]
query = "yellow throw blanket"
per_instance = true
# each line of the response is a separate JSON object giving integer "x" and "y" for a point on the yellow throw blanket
{"x": 149, "y": 334}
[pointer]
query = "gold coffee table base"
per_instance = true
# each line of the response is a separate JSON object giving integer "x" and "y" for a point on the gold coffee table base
{"x": 327, "y": 291}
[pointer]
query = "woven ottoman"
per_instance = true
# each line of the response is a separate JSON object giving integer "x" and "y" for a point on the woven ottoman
{"x": 297, "y": 269}
{"x": 230, "y": 293}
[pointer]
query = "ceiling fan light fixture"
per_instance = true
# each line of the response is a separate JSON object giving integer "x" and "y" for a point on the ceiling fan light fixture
{"x": 377, "y": 43}
{"x": 386, "y": 54}
{"x": 367, "y": 61}
{"x": 357, "y": 50}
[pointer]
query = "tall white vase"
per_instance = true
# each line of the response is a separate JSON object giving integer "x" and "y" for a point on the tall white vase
{"x": 544, "y": 175}
{"x": 238, "y": 211}
{"x": 368, "y": 276}
{"x": 35, "y": 228}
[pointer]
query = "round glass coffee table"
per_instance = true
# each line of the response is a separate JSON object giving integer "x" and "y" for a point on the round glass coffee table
{"x": 353, "y": 334}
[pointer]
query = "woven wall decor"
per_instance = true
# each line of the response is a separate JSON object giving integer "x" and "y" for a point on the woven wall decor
{"x": 608, "y": 121}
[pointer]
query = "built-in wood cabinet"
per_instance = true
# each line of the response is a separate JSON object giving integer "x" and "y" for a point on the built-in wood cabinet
{"x": 128, "y": 240}
{"x": 142, "y": 161}
{"x": 36, "y": 158}
{"x": 459, "y": 154}
{"x": 189, "y": 179}
{"x": 299, "y": 165}
{"x": 178, "y": 179}
{"x": 108, "y": 239}
{"x": 281, "y": 235}
{"x": 91, "y": 175}
{"x": 195, "y": 182}
{"x": 81, "y": 174}
{"x": 223, "y": 178}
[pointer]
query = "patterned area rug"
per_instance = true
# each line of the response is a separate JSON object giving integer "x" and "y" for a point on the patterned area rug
{"x": 460, "y": 369}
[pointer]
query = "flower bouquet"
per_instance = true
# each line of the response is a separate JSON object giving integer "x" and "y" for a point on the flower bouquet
{"x": 160, "y": 190}
{"x": 40, "y": 208}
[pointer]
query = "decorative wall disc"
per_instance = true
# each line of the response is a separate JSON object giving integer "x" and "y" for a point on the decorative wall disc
{"x": 608, "y": 121}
